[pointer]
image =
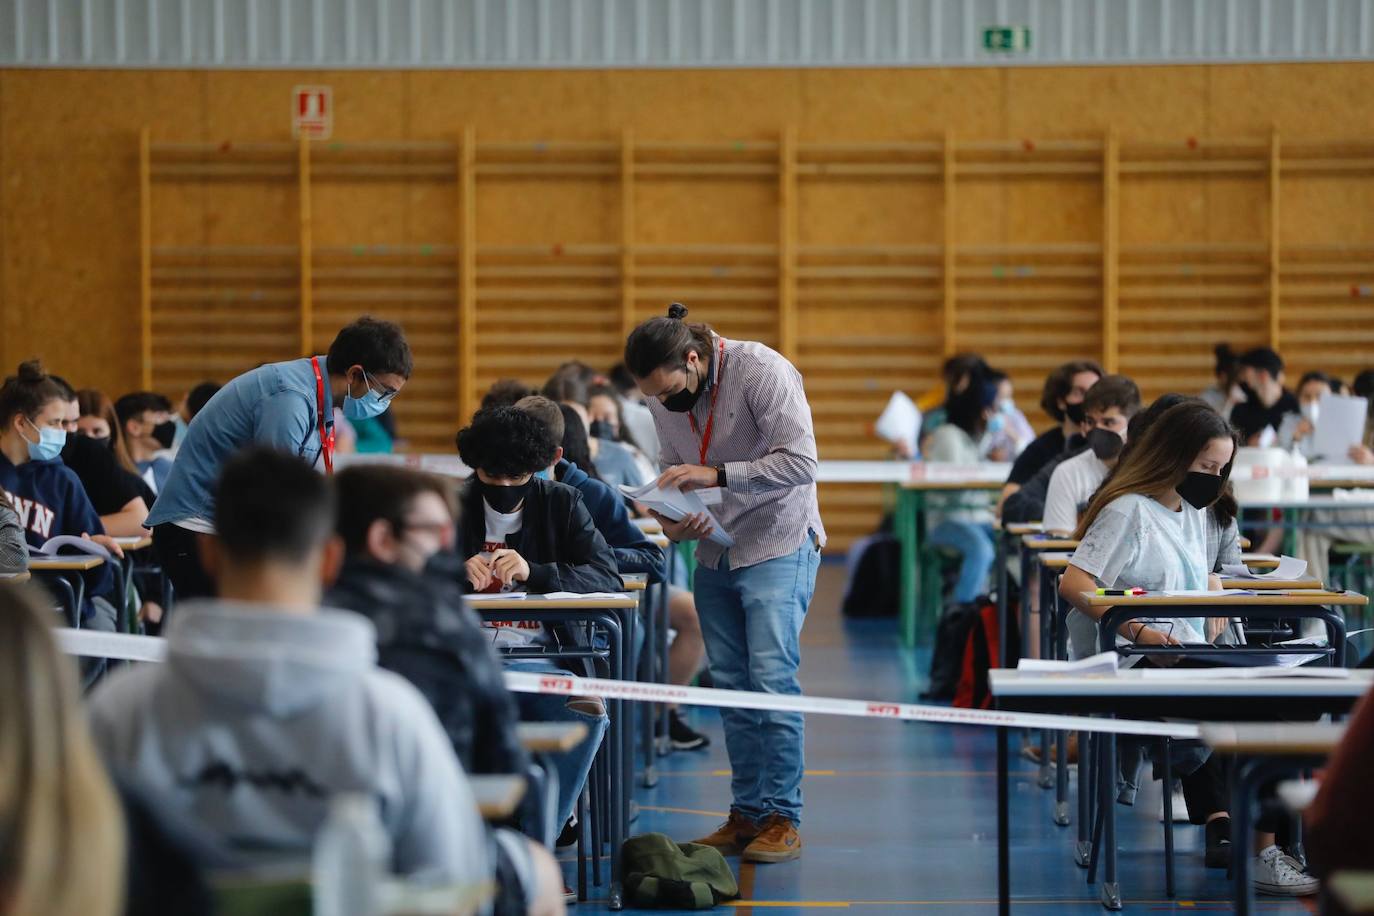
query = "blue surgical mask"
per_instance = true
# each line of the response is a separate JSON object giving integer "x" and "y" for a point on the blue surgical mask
{"x": 996, "y": 423}
{"x": 49, "y": 444}
{"x": 364, "y": 408}
{"x": 1007, "y": 407}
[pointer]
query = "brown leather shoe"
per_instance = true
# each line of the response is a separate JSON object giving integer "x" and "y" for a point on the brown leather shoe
{"x": 732, "y": 836}
{"x": 778, "y": 842}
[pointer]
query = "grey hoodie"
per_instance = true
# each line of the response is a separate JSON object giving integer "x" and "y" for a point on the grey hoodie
{"x": 260, "y": 716}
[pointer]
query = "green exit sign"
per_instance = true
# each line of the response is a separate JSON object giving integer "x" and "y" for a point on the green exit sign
{"x": 1007, "y": 38}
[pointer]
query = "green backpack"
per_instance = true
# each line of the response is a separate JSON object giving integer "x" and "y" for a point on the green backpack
{"x": 680, "y": 876}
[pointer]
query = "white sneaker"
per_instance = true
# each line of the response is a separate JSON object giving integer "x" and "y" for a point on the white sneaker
{"x": 1275, "y": 875}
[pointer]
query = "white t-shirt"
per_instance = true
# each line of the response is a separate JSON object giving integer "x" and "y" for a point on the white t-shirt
{"x": 1136, "y": 542}
{"x": 1072, "y": 485}
{"x": 500, "y": 527}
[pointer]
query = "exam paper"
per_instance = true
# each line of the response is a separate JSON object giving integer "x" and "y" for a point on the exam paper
{"x": 1340, "y": 425}
{"x": 1202, "y": 593}
{"x": 900, "y": 421}
{"x": 1289, "y": 569}
{"x": 1101, "y": 663}
{"x": 674, "y": 504}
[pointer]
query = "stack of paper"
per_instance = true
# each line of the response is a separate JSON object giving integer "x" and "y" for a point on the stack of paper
{"x": 1102, "y": 663}
{"x": 675, "y": 504}
{"x": 1288, "y": 570}
{"x": 1340, "y": 426}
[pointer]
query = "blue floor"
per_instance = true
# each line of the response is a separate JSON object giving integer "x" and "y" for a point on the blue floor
{"x": 901, "y": 817}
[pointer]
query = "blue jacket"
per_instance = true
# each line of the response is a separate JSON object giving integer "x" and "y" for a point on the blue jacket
{"x": 634, "y": 553}
{"x": 49, "y": 500}
{"x": 274, "y": 405}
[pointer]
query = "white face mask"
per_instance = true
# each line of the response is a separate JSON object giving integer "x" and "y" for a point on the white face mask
{"x": 1311, "y": 411}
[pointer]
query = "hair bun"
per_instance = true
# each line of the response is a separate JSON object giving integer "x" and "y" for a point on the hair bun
{"x": 31, "y": 371}
{"x": 677, "y": 310}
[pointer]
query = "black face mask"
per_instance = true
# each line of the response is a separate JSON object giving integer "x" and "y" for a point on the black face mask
{"x": 685, "y": 399}
{"x": 1075, "y": 443}
{"x": 165, "y": 433}
{"x": 1074, "y": 412}
{"x": 1105, "y": 444}
{"x": 505, "y": 499}
{"x": 1200, "y": 490}
{"x": 600, "y": 429}
{"x": 106, "y": 441}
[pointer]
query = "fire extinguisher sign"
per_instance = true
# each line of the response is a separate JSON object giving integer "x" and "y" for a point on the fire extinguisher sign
{"x": 312, "y": 112}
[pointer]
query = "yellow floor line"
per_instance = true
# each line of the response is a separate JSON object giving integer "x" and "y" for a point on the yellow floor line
{"x": 684, "y": 811}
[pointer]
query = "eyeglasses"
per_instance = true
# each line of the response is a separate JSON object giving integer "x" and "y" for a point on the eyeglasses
{"x": 385, "y": 394}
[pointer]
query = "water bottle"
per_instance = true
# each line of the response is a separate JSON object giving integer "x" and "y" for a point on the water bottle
{"x": 352, "y": 855}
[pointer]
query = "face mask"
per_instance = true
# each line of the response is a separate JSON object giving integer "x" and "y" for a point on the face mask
{"x": 1200, "y": 490}
{"x": 600, "y": 429}
{"x": 1074, "y": 412}
{"x": 1105, "y": 444}
{"x": 165, "y": 433}
{"x": 364, "y": 408}
{"x": 505, "y": 499}
{"x": 685, "y": 399}
{"x": 1007, "y": 407}
{"x": 102, "y": 440}
{"x": 996, "y": 423}
{"x": 49, "y": 444}
{"x": 1310, "y": 412}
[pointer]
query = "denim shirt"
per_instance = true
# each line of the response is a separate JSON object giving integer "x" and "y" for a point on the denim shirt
{"x": 274, "y": 405}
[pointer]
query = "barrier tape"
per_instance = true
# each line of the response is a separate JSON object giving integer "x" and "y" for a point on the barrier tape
{"x": 154, "y": 649}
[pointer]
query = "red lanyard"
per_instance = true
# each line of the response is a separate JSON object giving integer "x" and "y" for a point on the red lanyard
{"x": 326, "y": 438}
{"x": 710, "y": 417}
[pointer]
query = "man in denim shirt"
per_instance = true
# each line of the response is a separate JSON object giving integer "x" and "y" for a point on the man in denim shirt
{"x": 288, "y": 406}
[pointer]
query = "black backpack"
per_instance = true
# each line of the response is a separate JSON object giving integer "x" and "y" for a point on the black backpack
{"x": 873, "y": 586}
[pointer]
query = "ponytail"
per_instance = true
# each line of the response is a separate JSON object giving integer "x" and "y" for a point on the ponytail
{"x": 665, "y": 342}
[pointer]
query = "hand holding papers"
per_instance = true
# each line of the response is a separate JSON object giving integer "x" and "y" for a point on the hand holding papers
{"x": 900, "y": 422}
{"x": 674, "y": 504}
{"x": 1340, "y": 426}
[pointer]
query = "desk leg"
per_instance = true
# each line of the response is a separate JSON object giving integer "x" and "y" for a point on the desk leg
{"x": 1111, "y": 888}
{"x": 1003, "y": 825}
{"x": 1061, "y": 776}
{"x": 1003, "y": 601}
{"x": 905, "y": 522}
{"x": 1083, "y": 847}
{"x": 1046, "y": 780}
{"x": 649, "y": 661}
{"x": 665, "y": 745}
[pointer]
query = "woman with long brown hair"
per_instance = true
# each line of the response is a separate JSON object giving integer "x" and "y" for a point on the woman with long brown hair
{"x": 99, "y": 421}
{"x": 61, "y": 832}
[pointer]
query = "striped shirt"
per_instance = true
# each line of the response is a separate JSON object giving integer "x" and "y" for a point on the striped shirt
{"x": 763, "y": 436}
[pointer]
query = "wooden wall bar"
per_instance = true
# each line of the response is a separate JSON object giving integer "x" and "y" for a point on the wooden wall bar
{"x": 866, "y": 223}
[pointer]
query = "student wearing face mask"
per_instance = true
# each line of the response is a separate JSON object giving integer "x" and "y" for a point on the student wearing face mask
{"x": 1009, "y": 432}
{"x": 734, "y": 424}
{"x": 1268, "y": 404}
{"x": 106, "y": 474}
{"x": 46, "y": 495}
{"x": 1311, "y": 389}
{"x": 1061, "y": 398}
{"x": 287, "y": 406}
{"x": 1226, "y": 393}
{"x": 520, "y": 531}
{"x": 147, "y": 431}
{"x": 607, "y": 416}
{"x": 1108, "y": 408}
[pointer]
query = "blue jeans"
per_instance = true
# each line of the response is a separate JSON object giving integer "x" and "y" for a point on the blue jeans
{"x": 574, "y": 765}
{"x": 751, "y": 619}
{"x": 979, "y": 552}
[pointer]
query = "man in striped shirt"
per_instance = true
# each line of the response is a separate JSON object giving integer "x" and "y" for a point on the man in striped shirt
{"x": 733, "y": 423}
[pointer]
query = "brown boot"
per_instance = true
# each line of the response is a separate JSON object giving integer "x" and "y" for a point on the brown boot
{"x": 732, "y": 836}
{"x": 778, "y": 842}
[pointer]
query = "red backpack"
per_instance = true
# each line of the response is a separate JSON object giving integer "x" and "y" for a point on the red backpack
{"x": 981, "y": 651}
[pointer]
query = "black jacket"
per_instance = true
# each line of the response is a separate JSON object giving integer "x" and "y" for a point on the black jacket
{"x": 633, "y": 551}
{"x": 426, "y": 634}
{"x": 1028, "y": 503}
{"x": 557, "y": 538}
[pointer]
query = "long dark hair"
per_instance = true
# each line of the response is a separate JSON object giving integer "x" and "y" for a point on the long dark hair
{"x": 1160, "y": 460}
{"x": 965, "y": 409}
{"x": 661, "y": 342}
{"x": 576, "y": 448}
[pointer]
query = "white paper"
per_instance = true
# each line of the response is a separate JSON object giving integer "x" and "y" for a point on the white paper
{"x": 900, "y": 421}
{"x": 710, "y": 496}
{"x": 1289, "y": 569}
{"x": 674, "y": 504}
{"x": 1102, "y": 663}
{"x": 1267, "y": 437}
{"x": 497, "y": 596}
{"x": 53, "y": 545}
{"x": 1239, "y": 674}
{"x": 1201, "y": 593}
{"x": 1340, "y": 425}
{"x": 565, "y": 596}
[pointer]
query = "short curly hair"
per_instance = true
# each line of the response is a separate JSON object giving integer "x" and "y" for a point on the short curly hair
{"x": 506, "y": 442}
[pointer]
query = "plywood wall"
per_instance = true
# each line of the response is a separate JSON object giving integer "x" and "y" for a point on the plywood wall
{"x": 1189, "y": 255}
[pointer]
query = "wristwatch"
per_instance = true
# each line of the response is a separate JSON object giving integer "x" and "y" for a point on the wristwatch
{"x": 720, "y": 476}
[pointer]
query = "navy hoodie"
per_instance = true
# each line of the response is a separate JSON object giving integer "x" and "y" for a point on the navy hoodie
{"x": 49, "y": 500}
{"x": 634, "y": 553}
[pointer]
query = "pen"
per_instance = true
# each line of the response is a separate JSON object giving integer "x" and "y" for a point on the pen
{"x": 1120, "y": 592}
